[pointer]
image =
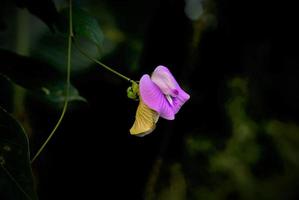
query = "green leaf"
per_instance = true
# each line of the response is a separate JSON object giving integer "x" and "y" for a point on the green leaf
{"x": 55, "y": 93}
{"x": 52, "y": 48}
{"x": 87, "y": 26}
{"x": 16, "y": 180}
{"x": 45, "y": 10}
{"x": 36, "y": 76}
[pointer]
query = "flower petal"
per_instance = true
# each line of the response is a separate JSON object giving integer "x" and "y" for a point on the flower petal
{"x": 180, "y": 100}
{"x": 153, "y": 97}
{"x": 169, "y": 86}
{"x": 163, "y": 78}
{"x": 145, "y": 120}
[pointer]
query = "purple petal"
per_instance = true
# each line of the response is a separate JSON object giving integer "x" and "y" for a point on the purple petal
{"x": 163, "y": 78}
{"x": 180, "y": 100}
{"x": 169, "y": 86}
{"x": 153, "y": 97}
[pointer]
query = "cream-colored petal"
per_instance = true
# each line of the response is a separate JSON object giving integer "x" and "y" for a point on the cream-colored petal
{"x": 145, "y": 120}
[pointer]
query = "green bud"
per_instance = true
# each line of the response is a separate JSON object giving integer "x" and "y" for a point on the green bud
{"x": 132, "y": 91}
{"x": 135, "y": 87}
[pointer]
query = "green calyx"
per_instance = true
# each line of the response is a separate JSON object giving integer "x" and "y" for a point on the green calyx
{"x": 133, "y": 91}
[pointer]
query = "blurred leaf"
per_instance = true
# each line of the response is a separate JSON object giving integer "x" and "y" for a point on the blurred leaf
{"x": 84, "y": 26}
{"x": 55, "y": 93}
{"x": 38, "y": 77}
{"x": 242, "y": 145}
{"x": 52, "y": 49}
{"x": 87, "y": 26}
{"x": 45, "y": 10}
{"x": 176, "y": 190}
{"x": 16, "y": 181}
{"x": 198, "y": 144}
{"x": 286, "y": 137}
{"x": 241, "y": 150}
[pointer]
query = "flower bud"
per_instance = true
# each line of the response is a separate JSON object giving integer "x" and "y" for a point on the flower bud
{"x": 133, "y": 91}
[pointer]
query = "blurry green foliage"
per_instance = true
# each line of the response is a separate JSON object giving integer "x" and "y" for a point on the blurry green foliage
{"x": 87, "y": 26}
{"x": 42, "y": 74}
{"x": 37, "y": 77}
{"x": 52, "y": 48}
{"x": 124, "y": 32}
{"x": 176, "y": 187}
{"x": 285, "y": 137}
{"x": 198, "y": 144}
{"x": 44, "y": 10}
{"x": 236, "y": 170}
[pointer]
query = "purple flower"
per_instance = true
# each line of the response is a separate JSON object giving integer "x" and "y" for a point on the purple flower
{"x": 162, "y": 93}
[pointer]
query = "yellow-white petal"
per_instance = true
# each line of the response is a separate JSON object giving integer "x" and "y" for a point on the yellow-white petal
{"x": 145, "y": 120}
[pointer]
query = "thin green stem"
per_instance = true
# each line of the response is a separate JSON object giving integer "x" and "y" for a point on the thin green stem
{"x": 15, "y": 181}
{"x": 68, "y": 77}
{"x": 100, "y": 63}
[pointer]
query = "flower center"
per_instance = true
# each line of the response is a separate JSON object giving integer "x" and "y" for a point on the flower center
{"x": 175, "y": 92}
{"x": 169, "y": 99}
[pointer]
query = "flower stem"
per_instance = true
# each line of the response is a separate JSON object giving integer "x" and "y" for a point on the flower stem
{"x": 100, "y": 63}
{"x": 68, "y": 77}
